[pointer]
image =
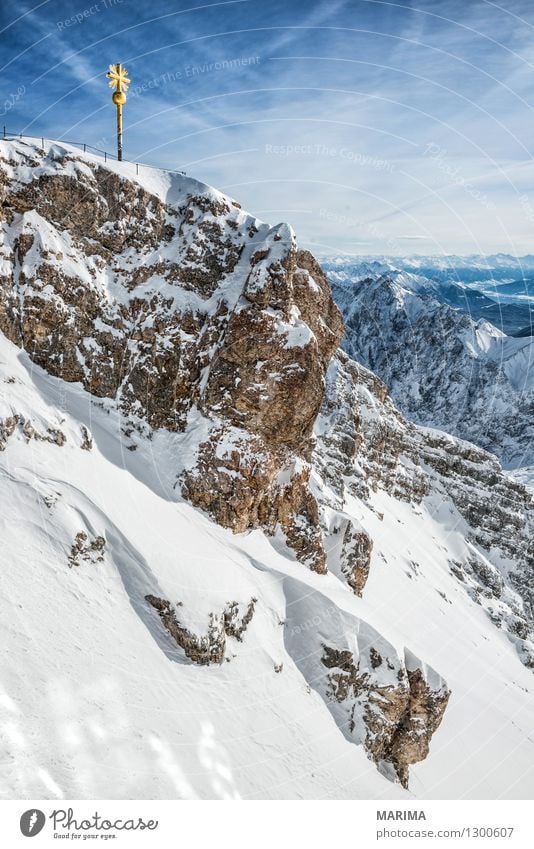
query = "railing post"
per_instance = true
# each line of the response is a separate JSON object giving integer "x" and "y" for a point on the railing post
{"x": 13, "y": 135}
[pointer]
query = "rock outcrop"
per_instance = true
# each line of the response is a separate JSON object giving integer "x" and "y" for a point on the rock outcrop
{"x": 11, "y": 423}
{"x": 177, "y": 308}
{"x": 85, "y": 550}
{"x": 399, "y": 718}
{"x": 381, "y": 697}
{"x": 210, "y": 647}
{"x": 365, "y": 445}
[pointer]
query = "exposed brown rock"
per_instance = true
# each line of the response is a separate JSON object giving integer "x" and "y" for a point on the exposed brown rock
{"x": 364, "y": 444}
{"x": 422, "y": 716}
{"x": 202, "y": 650}
{"x": 87, "y": 439}
{"x": 399, "y": 718}
{"x": 84, "y": 550}
{"x": 9, "y": 425}
{"x": 211, "y": 647}
{"x": 234, "y": 624}
{"x": 261, "y": 379}
{"x": 7, "y": 429}
{"x": 252, "y": 359}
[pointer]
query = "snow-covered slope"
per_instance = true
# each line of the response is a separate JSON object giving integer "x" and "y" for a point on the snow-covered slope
{"x": 443, "y": 368}
{"x": 200, "y": 596}
{"x": 97, "y": 701}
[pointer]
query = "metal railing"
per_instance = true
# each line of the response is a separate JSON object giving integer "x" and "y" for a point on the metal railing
{"x": 87, "y": 148}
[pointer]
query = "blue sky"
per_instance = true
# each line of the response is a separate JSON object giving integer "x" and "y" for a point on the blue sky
{"x": 372, "y": 127}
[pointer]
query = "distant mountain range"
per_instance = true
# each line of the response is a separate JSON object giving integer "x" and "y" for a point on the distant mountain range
{"x": 451, "y": 266}
{"x": 522, "y": 288}
{"x": 441, "y": 350}
{"x": 499, "y": 288}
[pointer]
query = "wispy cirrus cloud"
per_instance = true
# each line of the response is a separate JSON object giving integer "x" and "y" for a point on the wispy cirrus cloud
{"x": 304, "y": 107}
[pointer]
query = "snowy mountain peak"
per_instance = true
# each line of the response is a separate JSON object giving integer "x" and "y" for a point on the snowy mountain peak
{"x": 272, "y": 572}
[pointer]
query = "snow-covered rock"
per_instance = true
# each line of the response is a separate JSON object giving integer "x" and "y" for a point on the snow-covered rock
{"x": 191, "y": 314}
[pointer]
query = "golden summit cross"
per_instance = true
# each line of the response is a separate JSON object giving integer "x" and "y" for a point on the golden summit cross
{"x": 118, "y": 80}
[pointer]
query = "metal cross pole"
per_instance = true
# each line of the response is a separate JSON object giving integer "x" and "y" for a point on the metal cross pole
{"x": 118, "y": 80}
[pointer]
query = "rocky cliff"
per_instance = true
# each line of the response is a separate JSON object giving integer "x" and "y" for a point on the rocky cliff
{"x": 365, "y": 447}
{"x": 189, "y": 313}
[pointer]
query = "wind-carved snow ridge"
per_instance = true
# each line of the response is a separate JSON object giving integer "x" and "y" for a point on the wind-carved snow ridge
{"x": 232, "y": 568}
